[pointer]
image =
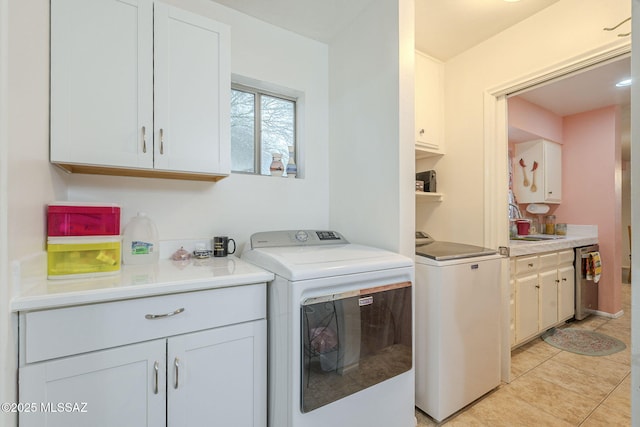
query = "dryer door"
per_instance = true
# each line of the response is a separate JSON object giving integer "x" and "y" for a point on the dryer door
{"x": 352, "y": 341}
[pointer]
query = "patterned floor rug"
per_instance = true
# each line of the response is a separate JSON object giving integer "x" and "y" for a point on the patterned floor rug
{"x": 582, "y": 341}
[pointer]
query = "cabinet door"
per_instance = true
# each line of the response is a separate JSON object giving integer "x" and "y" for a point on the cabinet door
{"x": 548, "y": 282}
{"x": 121, "y": 387}
{"x": 192, "y": 92}
{"x": 429, "y": 102}
{"x": 553, "y": 172}
{"x": 526, "y": 307}
{"x": 218, "y": 377}
{"x": 566, "y": 293}
{"x": 101, "y": 82}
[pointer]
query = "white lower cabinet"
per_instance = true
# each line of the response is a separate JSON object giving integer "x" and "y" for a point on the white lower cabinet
{"x": 214, "y": 377}
{"x": 113, "y": 388}
{"x": 544, "y": 293}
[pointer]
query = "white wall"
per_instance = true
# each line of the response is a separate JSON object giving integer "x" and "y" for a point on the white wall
{"x": 240, "y": 204}
{"x": 371, "y": 128}
{"x": 565, "y": 30}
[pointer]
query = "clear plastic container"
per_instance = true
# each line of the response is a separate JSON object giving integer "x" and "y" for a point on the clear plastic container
{"x": 140, "y": 243}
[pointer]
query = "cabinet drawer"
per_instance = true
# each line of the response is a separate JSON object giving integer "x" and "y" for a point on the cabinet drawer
{"x": 565, "y": 257}
{"x": 526, "y": 264}
{"x": 60, "y": 332}
{"x": 548, "y": 260}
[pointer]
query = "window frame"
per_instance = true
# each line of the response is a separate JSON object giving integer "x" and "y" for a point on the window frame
{"x": 257, "y": 123}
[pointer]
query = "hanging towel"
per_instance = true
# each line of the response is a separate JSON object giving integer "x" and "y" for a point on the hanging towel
{"x": 594, "y": 267}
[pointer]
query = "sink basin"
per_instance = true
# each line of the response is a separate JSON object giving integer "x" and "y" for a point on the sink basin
{"x": 538, "y": 237}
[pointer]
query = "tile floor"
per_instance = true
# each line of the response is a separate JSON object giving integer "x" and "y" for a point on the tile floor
{"x": 556, "y": 388}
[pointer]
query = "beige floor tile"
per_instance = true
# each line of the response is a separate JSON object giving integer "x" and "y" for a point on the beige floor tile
{"x": 504, "y": 408}
{"x": 619, "y": 401}
{"x": 603, "y": 416}
{"x": 577, "y": 380}
{"x": 553, "y": 399}
{"x": 530, "y": 355}
{"x": 608, "y": 371}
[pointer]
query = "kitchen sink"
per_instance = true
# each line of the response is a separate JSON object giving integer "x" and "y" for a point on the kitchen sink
{"x": 538, "y": 237}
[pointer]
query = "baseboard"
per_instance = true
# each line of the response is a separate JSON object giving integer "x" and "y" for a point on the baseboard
{"x": 609, "y": 315}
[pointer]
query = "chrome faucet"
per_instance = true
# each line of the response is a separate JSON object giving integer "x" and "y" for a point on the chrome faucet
{"x": 514, "y": 211}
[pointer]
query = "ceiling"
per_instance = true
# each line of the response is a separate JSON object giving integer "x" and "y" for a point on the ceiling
{"x": 444, "y": 28}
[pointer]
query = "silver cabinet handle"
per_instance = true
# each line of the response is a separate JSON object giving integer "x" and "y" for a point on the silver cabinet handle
{"x": 144, "y": 139}
{"x": 156, "y": 368}
{"x": 176, "y": 364}
{"x": 160, "y": 316}
{"x": 161, "y": 141}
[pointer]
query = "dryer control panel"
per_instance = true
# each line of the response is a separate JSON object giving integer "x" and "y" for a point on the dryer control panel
{"x": 267, "y": 239}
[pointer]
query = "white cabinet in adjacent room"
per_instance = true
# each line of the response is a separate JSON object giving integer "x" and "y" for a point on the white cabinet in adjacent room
{"x": 544, "y": 287}
{"x": 139, "y": 88}
{"x": 538, "y": 172}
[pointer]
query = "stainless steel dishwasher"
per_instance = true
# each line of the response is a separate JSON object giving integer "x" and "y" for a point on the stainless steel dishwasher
{"x": 586, "y": 289}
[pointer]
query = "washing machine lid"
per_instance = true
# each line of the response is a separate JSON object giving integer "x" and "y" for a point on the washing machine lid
{"x": 428, "y": 247}
{"x": 311, "y": 261}
{"x": 442, "y": 251}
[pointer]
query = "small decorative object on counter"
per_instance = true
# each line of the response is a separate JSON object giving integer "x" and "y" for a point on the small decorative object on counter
{"x": 292, "y": 169}
{"x": 561, "y": 229}
{"x": 140, "y": 241}
{"x": 201, "y": 252}
{"x": 276, "y": 168}
{"x": 419, "y": 185}
{"x": 181, "y": 255}
{"x": 221, "y": 246}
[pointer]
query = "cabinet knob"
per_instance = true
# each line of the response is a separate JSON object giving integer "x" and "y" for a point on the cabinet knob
{"x": 530, "y": 265}
{"x": 421, "y": 132}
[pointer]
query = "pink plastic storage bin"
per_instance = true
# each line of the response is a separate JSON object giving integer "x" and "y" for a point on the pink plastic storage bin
{"x": 82, "y": 219}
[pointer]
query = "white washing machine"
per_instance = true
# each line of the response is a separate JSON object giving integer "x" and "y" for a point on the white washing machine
{"x": 457, "y": 314}
{"x": 340, "y": 322}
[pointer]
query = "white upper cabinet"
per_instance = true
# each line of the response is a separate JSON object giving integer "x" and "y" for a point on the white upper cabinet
{"x": 429, "y": 105}
{"x": 538, "y": 172}
{"x": 139, "y": 88}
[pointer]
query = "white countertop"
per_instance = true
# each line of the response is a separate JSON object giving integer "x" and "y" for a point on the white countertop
{"x": 34, "y": 292}
{"x": 577, "y": 235}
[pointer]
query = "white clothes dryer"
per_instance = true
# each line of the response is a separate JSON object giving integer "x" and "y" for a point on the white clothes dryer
{"x": 340, "y": 339}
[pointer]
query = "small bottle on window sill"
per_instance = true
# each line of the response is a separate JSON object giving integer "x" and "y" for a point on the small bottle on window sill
{"x": 276, "y": 168}
{"x": 292, "y": 169}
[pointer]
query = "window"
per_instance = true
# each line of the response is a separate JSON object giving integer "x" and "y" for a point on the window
{"x": 262, "y": 124}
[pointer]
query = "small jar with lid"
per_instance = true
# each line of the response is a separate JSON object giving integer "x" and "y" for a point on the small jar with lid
{"x": 550, "y": 224}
